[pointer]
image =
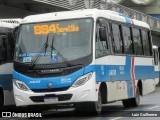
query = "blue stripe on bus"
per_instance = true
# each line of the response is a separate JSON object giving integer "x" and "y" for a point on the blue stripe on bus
{"x": 128, "y": 20}
{"x": 61, "y": 81}
{"x": 102, "y": 77}
{"x": 121, "y": 14}
{"x": 6, "y": 81}
{"x": 127, "y": 70}
{"x": 123, "y": 72}
{"x": 141, "y": 72}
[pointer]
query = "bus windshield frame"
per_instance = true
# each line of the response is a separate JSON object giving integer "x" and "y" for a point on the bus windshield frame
{"x": 81, "y": 29}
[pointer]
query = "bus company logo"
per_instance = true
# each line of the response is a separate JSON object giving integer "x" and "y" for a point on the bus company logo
{"x": 49, "y": 85}
{"x": 6, "y": 114}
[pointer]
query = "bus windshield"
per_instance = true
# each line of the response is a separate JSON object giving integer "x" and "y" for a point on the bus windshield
{"x": 71, "y": 38}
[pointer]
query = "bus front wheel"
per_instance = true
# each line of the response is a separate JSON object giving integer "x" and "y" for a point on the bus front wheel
{"x": 90, "y": 107}
{"x": 97, "y": 107}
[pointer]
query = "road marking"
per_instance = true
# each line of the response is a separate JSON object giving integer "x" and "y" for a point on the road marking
{"x": 153, "y": 107}
{"x": 116, "y": 118}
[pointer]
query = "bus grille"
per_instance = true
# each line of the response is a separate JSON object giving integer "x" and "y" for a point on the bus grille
{"x": 63, "y": 72}
{"x": 49, "y": 90}
{"x": 63, "y": 97}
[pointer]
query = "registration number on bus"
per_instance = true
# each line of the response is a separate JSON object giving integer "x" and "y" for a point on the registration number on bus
{"x": 51, "y": 99}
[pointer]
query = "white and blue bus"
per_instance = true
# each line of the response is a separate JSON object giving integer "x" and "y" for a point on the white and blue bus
{"x": 7, "y": 42}
{"x": 85, "y": 57}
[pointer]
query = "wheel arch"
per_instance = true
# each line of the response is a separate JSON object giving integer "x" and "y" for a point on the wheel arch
{"x": 139, "y": 85}
{"x": 103, "y": 90}
{"x": 1, "y": 96}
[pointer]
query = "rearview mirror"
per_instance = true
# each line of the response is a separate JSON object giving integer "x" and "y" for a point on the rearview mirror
{"x": 103, "y": 33}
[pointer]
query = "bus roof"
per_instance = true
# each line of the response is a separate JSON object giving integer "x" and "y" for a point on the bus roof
{"x": 10, "y": 23}
{"x": 95, "y": 13}
{"x": 12, "y": 20}
{"x": 7, "y": 25}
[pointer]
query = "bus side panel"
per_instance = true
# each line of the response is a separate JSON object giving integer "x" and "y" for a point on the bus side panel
{"x": 156, "y": 81}
{"x": 124, "y": 72}
{"x": 115, "y": 71}
{"x": 157, "y": 72}
{"x": 9, "y": 97}
{"x": 102, "y": 69}
{"x": 117, "y": 90}
{"x": 111, "y": 91}
{"x": 148, "y": 86}
{"x": 122, "y": 90}
{"x": 145, "y": 70}
{"x": 6, "y": 83}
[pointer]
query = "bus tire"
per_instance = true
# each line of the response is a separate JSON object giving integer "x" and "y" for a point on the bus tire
{"x": 135, "y": 102}
{"x": 126, "y": 103}
{"x": 97, "y": 107}
{"x": 90, "y": 107}
{"x": 1, "y": 98}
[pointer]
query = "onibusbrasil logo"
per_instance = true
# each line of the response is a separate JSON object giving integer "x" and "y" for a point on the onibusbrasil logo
{"x": 21, "y": 115}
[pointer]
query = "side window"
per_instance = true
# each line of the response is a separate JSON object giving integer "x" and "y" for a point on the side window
{"x": 116, "y": 41}
{"x": 128, "y": 43}
{"x": 146, "y": 43}
{"x": 3, "y": 50}
{"x": 11, "y": 44}
{"x": 101, "y": 38}
{"x": 150, "y": 43}
{"x": 138, "y": 49}
{"x": 156, "y": 56}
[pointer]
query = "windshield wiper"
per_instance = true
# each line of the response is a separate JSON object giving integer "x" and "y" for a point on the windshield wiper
{"x": 45, "y": 46}
{"x": 59, "y": 54}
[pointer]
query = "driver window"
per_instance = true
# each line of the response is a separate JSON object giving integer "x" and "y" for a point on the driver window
{"x": 101, "y": 38}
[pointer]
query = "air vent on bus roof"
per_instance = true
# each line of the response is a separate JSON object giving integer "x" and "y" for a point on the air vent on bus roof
{"x": 16, "y": 21}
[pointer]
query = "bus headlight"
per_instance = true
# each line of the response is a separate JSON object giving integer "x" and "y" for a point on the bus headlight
{"x": 21, "y": 85}
{"x": 82, "y": 80}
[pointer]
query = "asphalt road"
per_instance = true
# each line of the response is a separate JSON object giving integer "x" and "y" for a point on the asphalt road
{"x": 150, "y": 105}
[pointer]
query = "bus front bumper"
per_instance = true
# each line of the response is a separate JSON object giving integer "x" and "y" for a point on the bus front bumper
{"x": 85, "y": 93}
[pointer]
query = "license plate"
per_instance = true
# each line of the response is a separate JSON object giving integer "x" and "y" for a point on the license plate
{"x": 51, "y": 99}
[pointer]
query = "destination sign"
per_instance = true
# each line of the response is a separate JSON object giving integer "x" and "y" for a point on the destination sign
{"x": 54, "y": 28}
